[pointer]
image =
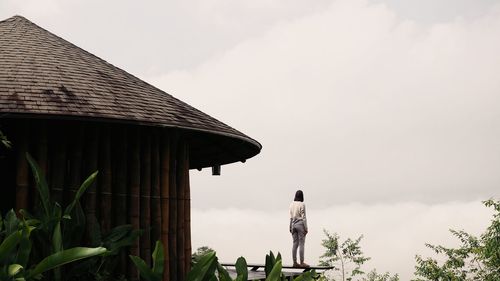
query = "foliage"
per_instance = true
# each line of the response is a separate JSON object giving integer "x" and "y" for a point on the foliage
{"x": 477, "y": 258}
{"x": 200, "y": 252}
{"x": 345, "y": 257}
{"x": 16, "y": 248}
{"x": 374, "y": 276}
{"x": 209, "y": 269}
{"x": 4, "y": 141}
{"x": 58, "y": 230}
{"x": 155, "y": 273}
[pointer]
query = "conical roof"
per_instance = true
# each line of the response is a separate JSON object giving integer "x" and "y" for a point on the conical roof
{"x": 43, "y": 74}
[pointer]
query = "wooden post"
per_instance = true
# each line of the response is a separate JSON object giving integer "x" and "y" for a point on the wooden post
{"x": 180, "y": 180}
{"x": 22, "y": 180}
{"x": 145, "y": 214}
{"x": 105, "y": 181}
{"x": 173, "y": 213}
{"x": 134, "y": 193}
{"x": 165, "y": 203}
{"x": 187, "y": 217}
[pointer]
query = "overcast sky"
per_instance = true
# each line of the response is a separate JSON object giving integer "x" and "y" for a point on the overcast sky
{"x": 385, "y": 112}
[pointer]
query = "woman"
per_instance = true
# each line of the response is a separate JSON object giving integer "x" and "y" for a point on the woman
{"x": 298, "y": 228}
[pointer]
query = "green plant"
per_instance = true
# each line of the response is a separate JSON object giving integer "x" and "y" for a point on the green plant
{"x": 58, "y": 230}
{"x": 16, "y": 248}
{"x": 201, "y": 251}
{"x": 5, "y": 142}
{"x": 345, "y": 257}
{"x": 156, "y": 272}
{"x": 209, "y": 269}
{"x": 477, "y": 258}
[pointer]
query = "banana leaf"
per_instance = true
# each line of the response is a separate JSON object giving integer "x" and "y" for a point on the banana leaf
{"x": 144, "y": 269}
{"x": 81, "y": 190}
{"x": 204, "y": 269}
{"x": 41, "y": 183}
{"x": 275, "y": 274}
{"x": 64, "y": 257}
{"x": 241, "y": 269}
{"x": 9, "y": 244}
{"x": 158, "y": 258}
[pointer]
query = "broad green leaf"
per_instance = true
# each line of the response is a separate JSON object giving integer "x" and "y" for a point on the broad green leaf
{"x": 24, "y": 250}
{"x": 41, "y": 183}
{"x": 14, "y": 269}
{"x": 56, "y": 232}
{"x": 74, "y": 228}
{"x": 11, "y": 222}
{"x": 118, "y": 232}
{"x": 223, "y": 274}
{"x": 158, "y": 258}
{"x": 9, "y": 244}
{"x": 64, "y": 257}
{"x": 242, "y": 268}
{"x": 88, "y": 182}
{"x": 144, "y": 270}
{"x": 204, "y": 269}
{"x": 275, "y": 274}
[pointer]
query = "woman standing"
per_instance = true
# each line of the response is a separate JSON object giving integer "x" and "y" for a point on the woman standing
{"x": 298, "y": 228}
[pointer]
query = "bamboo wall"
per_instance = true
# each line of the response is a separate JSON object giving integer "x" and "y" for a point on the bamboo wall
{"x": 143, "y": 180}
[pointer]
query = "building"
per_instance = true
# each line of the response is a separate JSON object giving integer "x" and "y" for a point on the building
{"x": 76, "y": 113}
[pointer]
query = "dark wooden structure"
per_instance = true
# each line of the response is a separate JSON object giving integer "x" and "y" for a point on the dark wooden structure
{"x": 76, "y": 113}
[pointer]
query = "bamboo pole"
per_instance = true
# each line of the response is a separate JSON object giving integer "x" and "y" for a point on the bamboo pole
{"x": 105, "y": 181}
{"x": 145, "y": 215}
{"x": 91, "y": 164}
{"x": 156, "y": 221}
{"x": 120, "y": 172}
{"x": 76, "y": 162}
{"x": 58, "y": 162}
{"x": 173, "y": 213}
{"x": 134, "y": 194}
{"x": 22, "y": 180}
{"x": 180, "y": 180}
{"x": 120, "y": 185}
{"x": 42, "y": 151}
{"x": 166, "y": 204}
{"x": 187, "y": 217}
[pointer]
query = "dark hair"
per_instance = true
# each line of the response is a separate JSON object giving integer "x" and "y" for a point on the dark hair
{"x": 299, "y": 196}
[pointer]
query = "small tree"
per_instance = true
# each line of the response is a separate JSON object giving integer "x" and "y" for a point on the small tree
{"x": 345, "y": 257}
{"x": 200, "y": 252}
{"x": 374, "y": 276}
{"x": 475, "y": 259}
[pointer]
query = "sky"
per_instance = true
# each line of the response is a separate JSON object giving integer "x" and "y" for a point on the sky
{"x": 384, "y": 112}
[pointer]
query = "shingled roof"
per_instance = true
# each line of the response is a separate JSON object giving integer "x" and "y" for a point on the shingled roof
{"x": 44, "y": 75}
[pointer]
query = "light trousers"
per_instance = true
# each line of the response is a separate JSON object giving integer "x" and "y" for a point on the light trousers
{"x": 299, "y": 239}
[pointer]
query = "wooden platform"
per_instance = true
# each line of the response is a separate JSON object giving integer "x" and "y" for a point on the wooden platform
{"x": 257, "y": 271}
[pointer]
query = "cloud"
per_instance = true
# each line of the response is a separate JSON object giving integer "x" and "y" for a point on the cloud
{"x": 354, "y": 103}
{"x": 393, "y": 233}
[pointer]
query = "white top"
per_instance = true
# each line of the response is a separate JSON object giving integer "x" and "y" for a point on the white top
{"x": 298, "y": 213}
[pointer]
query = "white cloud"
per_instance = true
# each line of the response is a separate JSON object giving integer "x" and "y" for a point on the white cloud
{"x": 393, "y": 233}
{"x": 354, "y": 103}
